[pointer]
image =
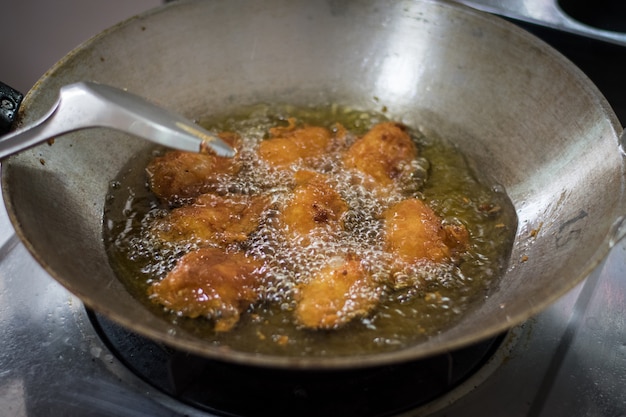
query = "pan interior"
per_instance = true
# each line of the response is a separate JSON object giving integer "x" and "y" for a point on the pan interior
{"x": 413, "y": 301}
{"x": 526, "y": 116}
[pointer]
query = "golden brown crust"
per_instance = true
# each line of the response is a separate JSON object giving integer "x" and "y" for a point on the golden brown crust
{"x": 291, "y": 144}
{"x": 384, "y": 154}
{"x": 213, "y": 219}
{"x": 210, "y": 283}
{"x": 338, "y": 293}
{"x": 314, "y": 205}
{"x": 414, "y": 232}
{"x": 178, "y": 176}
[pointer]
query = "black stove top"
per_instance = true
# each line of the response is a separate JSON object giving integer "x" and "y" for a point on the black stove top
{"x": 217, "y": 387}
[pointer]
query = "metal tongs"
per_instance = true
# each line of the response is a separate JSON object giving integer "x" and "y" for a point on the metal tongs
{"x": 87, "y": 104}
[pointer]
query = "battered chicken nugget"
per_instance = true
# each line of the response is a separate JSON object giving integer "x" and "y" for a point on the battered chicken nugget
{"x": 177, "y": 175}
{"x": 210, "y": 283}
{"x": 385, "y": 154}
{"x": 290, "y": 144}
{"x": 315, "y": 205}
{"x": 414, "y": 232}
{"x": 213, "y": 219}
{"x": 338, "y": 293}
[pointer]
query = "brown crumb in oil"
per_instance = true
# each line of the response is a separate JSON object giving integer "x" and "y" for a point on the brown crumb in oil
{"x": 490, "y": 208}
{"x": 535, "y": 232}
{"x": 432, "y": 297}
{"x": 281, "y": 340}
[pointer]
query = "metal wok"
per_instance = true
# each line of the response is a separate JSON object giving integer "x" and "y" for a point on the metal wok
{"x": 527, "y": 117}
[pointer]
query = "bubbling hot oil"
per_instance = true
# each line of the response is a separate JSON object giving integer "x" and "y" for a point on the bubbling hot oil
{"x": 424, "y": 299}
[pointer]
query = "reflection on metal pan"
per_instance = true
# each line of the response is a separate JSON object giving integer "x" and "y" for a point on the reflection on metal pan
{"x": 527, "y": 116}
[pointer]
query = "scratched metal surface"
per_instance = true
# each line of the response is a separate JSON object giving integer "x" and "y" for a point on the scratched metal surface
{"x": 569, "y": 360}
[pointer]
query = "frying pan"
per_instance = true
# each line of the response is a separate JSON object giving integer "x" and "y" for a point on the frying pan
{"x": 522, "y": 112}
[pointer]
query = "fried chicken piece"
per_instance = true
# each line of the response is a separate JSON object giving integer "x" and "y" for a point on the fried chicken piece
{"x": 384, "y": 154}
{"x": 178, "y": 175}
{"x": 315, "y": 205}
{"x": 414, "y": 232}
{"x": 210, "y": 283}
{"x": 290, "y": 144}
{"x": 335, "y": 295}
{"x": 213, "y": 219}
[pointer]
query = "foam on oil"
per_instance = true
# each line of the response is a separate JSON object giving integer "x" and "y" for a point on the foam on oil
{"x": 425, "y": 298}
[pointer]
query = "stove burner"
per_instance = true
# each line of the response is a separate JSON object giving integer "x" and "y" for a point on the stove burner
{"x": 238, "y": 390}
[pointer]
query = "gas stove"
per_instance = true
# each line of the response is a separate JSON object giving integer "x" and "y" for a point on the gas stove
{"x": 58, "y": 358}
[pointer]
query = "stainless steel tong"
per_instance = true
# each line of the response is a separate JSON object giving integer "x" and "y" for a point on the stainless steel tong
{"x": 86, "y": 105}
